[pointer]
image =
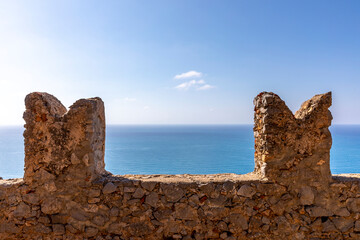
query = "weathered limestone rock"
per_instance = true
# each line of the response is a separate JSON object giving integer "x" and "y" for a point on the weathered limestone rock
{"x": 55, "y": 139}
{"x": 109, "y": 188}
{"x": 184, "y": 211}
{"x": 342, "y": 212}
{"x": 172, "y": 193}
{"x": 152, "y": 199}
{"x": 353, "y": 204}
{"x": 238, "y": 221}
{"x": 328, "y": 226}
{"x": 51, "y": 205}
{"x": 293, "y": 149}
{"x": 148, "y": 185}
{"x": 22, "y": 211}
{"x": 139, "y": 193}
{"x": 318, "y": 212}
{"x": 99, "y": 220}
{"x": 246, "y": 191}
{"x": 343, "y": 224}
{"x": 91, "y": 231}
{"x": 58, "y": 229}
{"x": 357, "y": 226}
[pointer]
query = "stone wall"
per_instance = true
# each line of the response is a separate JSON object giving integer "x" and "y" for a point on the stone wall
{"x": 67, "y": 194}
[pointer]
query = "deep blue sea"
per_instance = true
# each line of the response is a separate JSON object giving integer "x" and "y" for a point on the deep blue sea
{"x": 182, "y": 149}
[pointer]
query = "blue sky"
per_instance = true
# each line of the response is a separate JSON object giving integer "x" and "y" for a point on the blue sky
{"x": 130, "y": 52}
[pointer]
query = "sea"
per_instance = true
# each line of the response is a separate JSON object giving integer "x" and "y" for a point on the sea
{"x": 179, "y": 149}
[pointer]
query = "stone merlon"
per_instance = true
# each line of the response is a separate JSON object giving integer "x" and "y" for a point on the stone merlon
{"x": 60, "y": 142}
{"x": 293, "y": 148}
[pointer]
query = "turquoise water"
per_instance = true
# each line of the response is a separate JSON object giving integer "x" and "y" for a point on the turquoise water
{"x": 182, "y": 149}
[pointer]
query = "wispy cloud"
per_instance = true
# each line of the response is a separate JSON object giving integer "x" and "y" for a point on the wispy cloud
{"x": 127, "y": 99}
{"x": 187, "y": 85}
{"x": 192, "y": 84}
{"x": 197, "y": 84}
{"x": 146, "y": 108}
{"x": 189, "y": 74}
{"x": 205, "y": 87}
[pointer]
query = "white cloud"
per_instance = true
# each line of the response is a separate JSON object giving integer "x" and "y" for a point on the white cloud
{"x": 198, "y": 84}
{"x": 187, "y": 85}
{"x": 146, "y": 108}
{"x": 205, "y": 87}
{"x": 192, "y": 84}
{"x": 189, "y": 74}
{"x": 127, "y": 99}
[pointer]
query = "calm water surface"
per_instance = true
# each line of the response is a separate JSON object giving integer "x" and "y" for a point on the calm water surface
{"x": 182, "y": 149}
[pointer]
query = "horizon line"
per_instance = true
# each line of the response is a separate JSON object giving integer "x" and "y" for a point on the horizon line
{"x": 178, "y": 124}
